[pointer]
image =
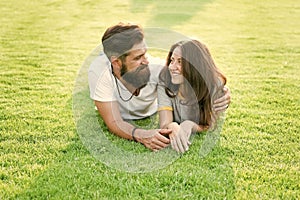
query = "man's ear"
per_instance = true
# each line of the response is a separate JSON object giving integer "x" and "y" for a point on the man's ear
{"x": 115, "y": 61}
{"x": 116, "y": 65}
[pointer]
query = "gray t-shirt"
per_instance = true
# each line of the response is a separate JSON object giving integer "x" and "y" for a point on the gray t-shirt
{"x": 181, "y": 110}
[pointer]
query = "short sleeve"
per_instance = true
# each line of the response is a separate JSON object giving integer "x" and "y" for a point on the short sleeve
{"x": 100, "y": 81}
{"x": 164, "y": 102}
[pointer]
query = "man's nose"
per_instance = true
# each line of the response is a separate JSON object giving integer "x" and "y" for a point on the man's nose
{"x": 145, "y": 61}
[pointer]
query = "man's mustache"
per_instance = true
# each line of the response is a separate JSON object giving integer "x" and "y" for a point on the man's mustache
{"x": 140, "y": 68}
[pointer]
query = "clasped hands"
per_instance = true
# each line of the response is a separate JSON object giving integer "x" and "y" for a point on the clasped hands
{"x": 178, "y": 137}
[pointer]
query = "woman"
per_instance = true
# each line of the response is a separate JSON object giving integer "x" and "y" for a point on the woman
{"x": 189, "y": 84}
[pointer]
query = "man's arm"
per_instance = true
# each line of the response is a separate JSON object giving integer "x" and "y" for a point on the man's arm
{"x": 110, "y": 113}
{"x": 222, "y": 103}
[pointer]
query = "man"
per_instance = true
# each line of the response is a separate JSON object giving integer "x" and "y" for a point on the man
{"x": 123, "y": 85}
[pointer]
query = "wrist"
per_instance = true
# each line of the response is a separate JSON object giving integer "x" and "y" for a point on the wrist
{"x": 133, "y": 132}
{"x": 138, "y": 135}
{"x": 172, "y": 125}
{"x": 187, "y": 124}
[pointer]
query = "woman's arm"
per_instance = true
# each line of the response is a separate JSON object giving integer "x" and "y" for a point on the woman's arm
{"x": 200, "y": 128}
{"x": 165, "y": 118}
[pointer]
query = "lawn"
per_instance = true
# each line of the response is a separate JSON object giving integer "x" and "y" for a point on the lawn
{"x": 47, "y": 119}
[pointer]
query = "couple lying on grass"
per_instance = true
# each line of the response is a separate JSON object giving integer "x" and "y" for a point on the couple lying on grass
{"x": 187, "y": 91}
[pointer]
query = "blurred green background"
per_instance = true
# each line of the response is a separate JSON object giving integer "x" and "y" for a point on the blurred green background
{"x": 45, "y": 43}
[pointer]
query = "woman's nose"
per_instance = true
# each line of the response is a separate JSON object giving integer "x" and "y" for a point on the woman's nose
{"x": 172, "y": 66}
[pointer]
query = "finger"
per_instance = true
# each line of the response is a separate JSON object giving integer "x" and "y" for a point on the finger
{"x": 165, "y": 131}
{"x": 153, "y": 146}
{"x": 156, "y": 147}
{"x": 179, "y": 144}
{"x": 222, "y": 108}
{"x": 188, "y": 139}
{"x": 184, "y": 142}
{"x": 162, "y": 139}
{"x": 225, "y": 89}
{"x": 221, "y": 100}
{"x": 173, "y": 144}
{"x": 224, "y": 103}
{"x": 161, "y": 144}
{"x": 227, "y": 94}
{"x": 185, "y": 146}
{"x": 188, "y": 135}
{"x": 224, "y": 98}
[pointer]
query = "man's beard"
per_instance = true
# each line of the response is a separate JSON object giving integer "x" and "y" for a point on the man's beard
{"x": 137, "y": 78}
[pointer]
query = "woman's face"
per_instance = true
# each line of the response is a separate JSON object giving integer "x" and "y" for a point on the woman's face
{"x": 175, "y": 66}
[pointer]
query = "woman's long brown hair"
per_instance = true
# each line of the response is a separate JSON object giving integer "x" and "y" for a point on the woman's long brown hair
{"x": 201, "y": 74}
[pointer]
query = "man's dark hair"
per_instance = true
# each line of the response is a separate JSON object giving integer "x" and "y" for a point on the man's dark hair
{"x": 119, "y": 39}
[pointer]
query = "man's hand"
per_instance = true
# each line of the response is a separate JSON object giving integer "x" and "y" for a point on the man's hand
{"x": 222, "y": 103}
{"x": 153, "y": 139}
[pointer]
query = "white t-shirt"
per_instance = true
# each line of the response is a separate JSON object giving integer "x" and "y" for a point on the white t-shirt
{"x": 103, "y": 88}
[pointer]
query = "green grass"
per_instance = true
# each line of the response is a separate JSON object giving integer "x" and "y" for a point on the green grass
{"x": 43, "y": 46}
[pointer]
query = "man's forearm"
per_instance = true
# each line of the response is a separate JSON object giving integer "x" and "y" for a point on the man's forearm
{"x": 121, "y": 128}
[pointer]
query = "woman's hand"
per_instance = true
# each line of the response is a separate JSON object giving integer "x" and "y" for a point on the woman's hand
{"x": 180, "y": 135}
